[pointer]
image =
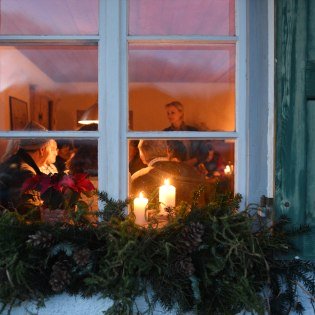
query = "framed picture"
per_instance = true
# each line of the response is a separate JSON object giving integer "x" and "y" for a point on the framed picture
{"x": 18, "y": 113}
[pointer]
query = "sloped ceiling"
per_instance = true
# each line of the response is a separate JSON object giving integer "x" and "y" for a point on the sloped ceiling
{"x": 146, "y": 63}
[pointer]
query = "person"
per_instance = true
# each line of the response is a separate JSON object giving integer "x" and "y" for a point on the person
{"x": 85, "y": 158}
{"x": 183, "y": 176}
{"x": 210, "y": 161}
{"x": 85, "y": 161}
{"x": 175, "y": 115}
{"x": 25, "y": 163}
{"x": 135, "y": 163}
{"x": 49, "y": 166}
{"x": 65, "y": 153}
{"x": 176, "y": 150}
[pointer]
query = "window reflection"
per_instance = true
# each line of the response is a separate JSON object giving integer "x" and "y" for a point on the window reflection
{"x": 157, "y": 160}
{"x": 56, "y": 83}
{"x": 46, "y": 17}
{"x": 200, "y": 77}
{"x": 181, "y": 17}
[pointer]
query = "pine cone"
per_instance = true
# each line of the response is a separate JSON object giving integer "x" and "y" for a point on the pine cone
{"x": 60, "y": 275}
{"x": 190, "y": 238}
{"x": 41, "y": 239}
{"x": 82, "y": 256}
{"x": 185, "y": 266}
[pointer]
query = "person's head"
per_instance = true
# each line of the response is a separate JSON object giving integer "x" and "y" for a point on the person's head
{"x": 206, "y": 152}
{"x": 133, "y": 149}
{"x": 37, "y": 148}
{"x": 176, "y": 150}
{"x": 65, "y": 149}
{"x": 152, "y": 149}
{"x": 53, "y": 152}
{"x": 175, "y": 112}
{"x": 85, "y": 159}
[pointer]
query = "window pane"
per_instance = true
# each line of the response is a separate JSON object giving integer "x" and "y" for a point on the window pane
{"x": 200, "y": 77}
{"x": 181, "y": 17}
{"x": 53, "y": 85}
{"x": 186, "y": 163}
{"x": 77, "y": 156}
{"x": 46, "y": 17}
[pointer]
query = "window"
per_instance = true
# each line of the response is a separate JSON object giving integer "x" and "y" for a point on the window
{"x": 121, "y": 63}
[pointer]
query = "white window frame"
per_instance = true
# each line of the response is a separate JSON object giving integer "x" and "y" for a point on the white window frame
{"x": 240, "y": 135}
{"x": 113, "y": 135}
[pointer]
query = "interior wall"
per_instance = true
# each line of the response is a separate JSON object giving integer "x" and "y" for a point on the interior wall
{"x": 208, "y": 106}
{"x": 72, "y": 97}
{"x": 17, "y": 73}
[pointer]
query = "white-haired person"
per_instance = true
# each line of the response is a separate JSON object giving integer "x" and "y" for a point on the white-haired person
{"x": 154, "y": 153}
{"x": 49, "y": 167}
{"x": 25, "y": 163}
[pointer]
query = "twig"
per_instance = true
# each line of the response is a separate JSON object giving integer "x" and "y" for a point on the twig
{"x": 312, "y": 297}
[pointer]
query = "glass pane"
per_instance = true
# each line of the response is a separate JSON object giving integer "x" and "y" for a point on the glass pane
{"x": 187, "y": 164}
{"x": 31, "y": 156}
{"x": 200, "y": 77}
{"x": 182, "y": 17}
{"x": 46, "y": 17}
{"x": 53, "y": 85}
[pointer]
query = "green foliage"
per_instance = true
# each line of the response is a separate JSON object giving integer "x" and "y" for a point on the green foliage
{"x": 212, "y": 259}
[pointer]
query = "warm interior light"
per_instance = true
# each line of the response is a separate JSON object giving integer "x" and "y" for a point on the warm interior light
{"x": 166, "y": 182}
{"x": 90, "y": 116}
{"x": 227, "y": 170}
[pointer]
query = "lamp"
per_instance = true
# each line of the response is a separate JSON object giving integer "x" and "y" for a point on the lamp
{"x": 90, "y": 116}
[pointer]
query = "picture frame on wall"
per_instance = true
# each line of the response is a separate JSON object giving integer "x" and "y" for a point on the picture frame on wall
{"x": 18, "y": 113}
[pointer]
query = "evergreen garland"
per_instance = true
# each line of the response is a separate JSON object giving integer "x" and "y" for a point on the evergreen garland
{"x": 212, "y": 259}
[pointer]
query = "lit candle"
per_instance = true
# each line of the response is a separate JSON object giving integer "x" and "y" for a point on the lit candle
{"x": 139, "y": 205}
{"x": 167, "y": 195}
{"x": 227, "y": 170}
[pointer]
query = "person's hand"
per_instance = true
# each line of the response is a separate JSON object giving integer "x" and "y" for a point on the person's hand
{"x": 202, "y": 169}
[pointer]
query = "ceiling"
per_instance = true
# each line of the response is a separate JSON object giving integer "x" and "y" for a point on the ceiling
{"x": 146, "y": 62}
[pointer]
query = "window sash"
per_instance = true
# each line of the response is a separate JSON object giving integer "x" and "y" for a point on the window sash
{"x": 113, "y": 135}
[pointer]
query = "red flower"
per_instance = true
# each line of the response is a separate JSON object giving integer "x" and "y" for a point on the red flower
{"x": 83, "y": 183}
{"x": 66, "y": 182}
{"x": 59, "y": 190}
{"x": 31, "y": 183}
{"x": 45, "y": 183}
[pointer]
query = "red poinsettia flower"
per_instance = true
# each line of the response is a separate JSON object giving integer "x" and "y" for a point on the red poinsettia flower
{"x": 61, "y": 191}
{"x": 83, "y": 183}
{"x": 67, "y": 182}
{"x": 31, "y": 183}
{"x": 45, "y": 183}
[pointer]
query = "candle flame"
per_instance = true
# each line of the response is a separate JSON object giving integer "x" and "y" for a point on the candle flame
{"x": 227, "y": 169}
{"x": 141, "y": 195}
{"x": 166, "y": 182}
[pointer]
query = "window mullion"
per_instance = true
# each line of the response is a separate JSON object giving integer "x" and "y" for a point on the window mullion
{"x": 108, "y": 98}
{"x": 241, "y": 103}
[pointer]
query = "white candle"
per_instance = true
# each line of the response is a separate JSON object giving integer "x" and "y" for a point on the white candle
{"x": 167, "y": 194}
{"x": 139, "y": 205}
